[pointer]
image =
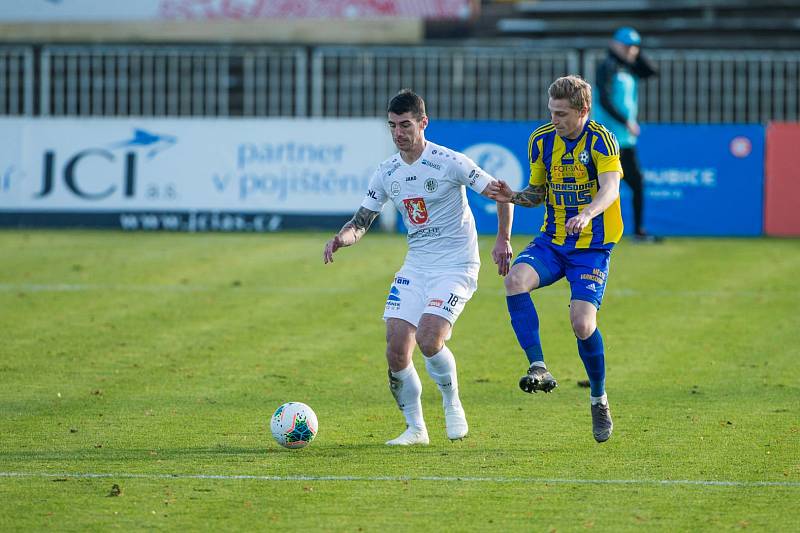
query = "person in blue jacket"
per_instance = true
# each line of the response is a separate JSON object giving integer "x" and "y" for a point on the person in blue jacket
{"x": 617, "y": 88}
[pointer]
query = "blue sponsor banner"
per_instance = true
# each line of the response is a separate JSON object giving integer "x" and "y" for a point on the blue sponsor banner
{"x": 701, "y": 180}
{"x": 500, "y": 148}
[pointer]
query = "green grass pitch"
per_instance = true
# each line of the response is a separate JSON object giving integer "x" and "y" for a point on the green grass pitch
{"x": 153, "y": 362}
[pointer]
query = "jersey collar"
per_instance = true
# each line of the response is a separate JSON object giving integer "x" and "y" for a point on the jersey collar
{"x": 421, "y": 155}
{"x": 572, "y": 143}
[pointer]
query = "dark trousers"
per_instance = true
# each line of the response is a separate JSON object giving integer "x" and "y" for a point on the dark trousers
{"x": 633, "y": 177}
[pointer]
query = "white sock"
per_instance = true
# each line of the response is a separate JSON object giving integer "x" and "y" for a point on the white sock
{"x": 599, "y": 399}
{"x": 407, "y": 391}
{"x": 442, "y": 368}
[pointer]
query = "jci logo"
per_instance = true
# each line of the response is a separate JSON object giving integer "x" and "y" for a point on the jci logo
{"x": 70, "y": 174}
{"x": 125, "y": 166}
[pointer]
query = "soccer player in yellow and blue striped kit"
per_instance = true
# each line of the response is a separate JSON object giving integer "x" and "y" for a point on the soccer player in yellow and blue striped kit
{"x": 575, "y": 172}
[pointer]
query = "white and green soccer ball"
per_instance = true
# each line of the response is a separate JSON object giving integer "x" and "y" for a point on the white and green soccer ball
{"x": 294, "y": 425}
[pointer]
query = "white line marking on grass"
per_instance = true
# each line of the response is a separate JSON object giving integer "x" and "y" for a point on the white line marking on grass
{"x": 223, "y": 477}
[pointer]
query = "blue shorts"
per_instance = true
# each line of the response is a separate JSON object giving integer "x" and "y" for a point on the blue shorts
{"x": 586, "y": 269}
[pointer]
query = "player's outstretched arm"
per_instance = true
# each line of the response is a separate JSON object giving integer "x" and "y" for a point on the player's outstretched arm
{"x": 350, "y": 233}
{"x": 530, "y": 196}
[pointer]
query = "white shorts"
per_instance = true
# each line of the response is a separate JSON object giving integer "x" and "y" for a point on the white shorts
{"x": 443, "y": 294}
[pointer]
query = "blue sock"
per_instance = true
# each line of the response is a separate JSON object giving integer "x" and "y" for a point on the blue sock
{"x": 525, "y": 322}
{"x": 593, "y": 356}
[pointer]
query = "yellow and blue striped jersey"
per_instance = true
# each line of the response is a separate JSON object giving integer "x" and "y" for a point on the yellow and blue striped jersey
{"x": 570, "y": 169}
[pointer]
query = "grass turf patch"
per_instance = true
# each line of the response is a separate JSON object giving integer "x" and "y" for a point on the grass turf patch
{"x": 159, "y": 354}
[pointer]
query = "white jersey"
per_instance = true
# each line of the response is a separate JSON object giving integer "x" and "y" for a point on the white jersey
{"x": 430, "y": 195}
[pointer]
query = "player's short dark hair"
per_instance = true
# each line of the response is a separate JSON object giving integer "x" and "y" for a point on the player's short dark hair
{"x": 574, "y": 89}
{"x": 407, "y": 101}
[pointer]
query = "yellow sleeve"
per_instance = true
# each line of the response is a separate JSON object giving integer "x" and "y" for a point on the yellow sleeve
{"x": 538, "y": 170}
{"x": 608, "y": 163}
{"x": 605, "y": 152}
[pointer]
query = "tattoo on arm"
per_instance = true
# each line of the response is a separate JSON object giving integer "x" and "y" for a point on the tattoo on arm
{"x": 361, "y": 221}
{"x": 530, "y": 196}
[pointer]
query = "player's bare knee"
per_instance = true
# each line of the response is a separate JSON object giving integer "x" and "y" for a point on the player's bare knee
{"x": 429, "y": 344}
{"x": 431, "y": 334}
{"x": 516, "y": 282}
{"x": 583, "y": 326}
{"x": 583, "y": 316}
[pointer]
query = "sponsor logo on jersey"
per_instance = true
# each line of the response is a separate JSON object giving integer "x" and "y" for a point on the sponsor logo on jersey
{"x": 435, "y": 303}
{"x": 431, "y": 164}
{"x": 372, "y": 194}
{"x": 568, "y": 171}
{"x": 411, "y": 178}
{"x": 592, "y": 287}
{"x": 425, "y": 233}
{"x": 473, "y": 177}
{"x": 395, "y": 188}
{"x": 392, "y": 170}
{"x": 567, "y": 156}
{"x": 571, "y": 187}
{"x": 584, "y": 157}
{"x": 401, "y": 281}
{"x": 416, "y": 209}
{"x": 431, "y": 185}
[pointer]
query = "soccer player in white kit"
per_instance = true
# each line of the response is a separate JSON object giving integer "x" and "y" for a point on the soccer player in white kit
{"x": 427, "y": 184}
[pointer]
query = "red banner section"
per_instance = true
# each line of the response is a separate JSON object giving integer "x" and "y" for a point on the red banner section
{"x": 782, "y": 180}
{"x": 254, "y": 9}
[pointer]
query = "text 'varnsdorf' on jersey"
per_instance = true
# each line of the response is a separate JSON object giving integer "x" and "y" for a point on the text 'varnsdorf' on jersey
{"x": 431, "y": 197}
{"x": 570, "y": 169}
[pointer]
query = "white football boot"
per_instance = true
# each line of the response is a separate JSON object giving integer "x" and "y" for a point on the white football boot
{"x": 411, "y": 435}
{"x": 456, "y": 422}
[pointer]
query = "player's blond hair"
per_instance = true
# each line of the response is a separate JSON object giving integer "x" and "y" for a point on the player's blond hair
{"x": 574, "y": 89}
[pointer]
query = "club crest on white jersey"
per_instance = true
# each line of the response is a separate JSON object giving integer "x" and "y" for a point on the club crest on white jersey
{"x": 417, "y": 212}
{"x": 430, "y": 195}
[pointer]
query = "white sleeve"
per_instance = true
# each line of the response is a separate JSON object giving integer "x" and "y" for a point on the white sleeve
{"x": 376, "y": 194}
{"x": 470, "y": 174}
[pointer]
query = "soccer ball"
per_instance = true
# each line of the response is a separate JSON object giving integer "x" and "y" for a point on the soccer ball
{"x": 294, "y": 425}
